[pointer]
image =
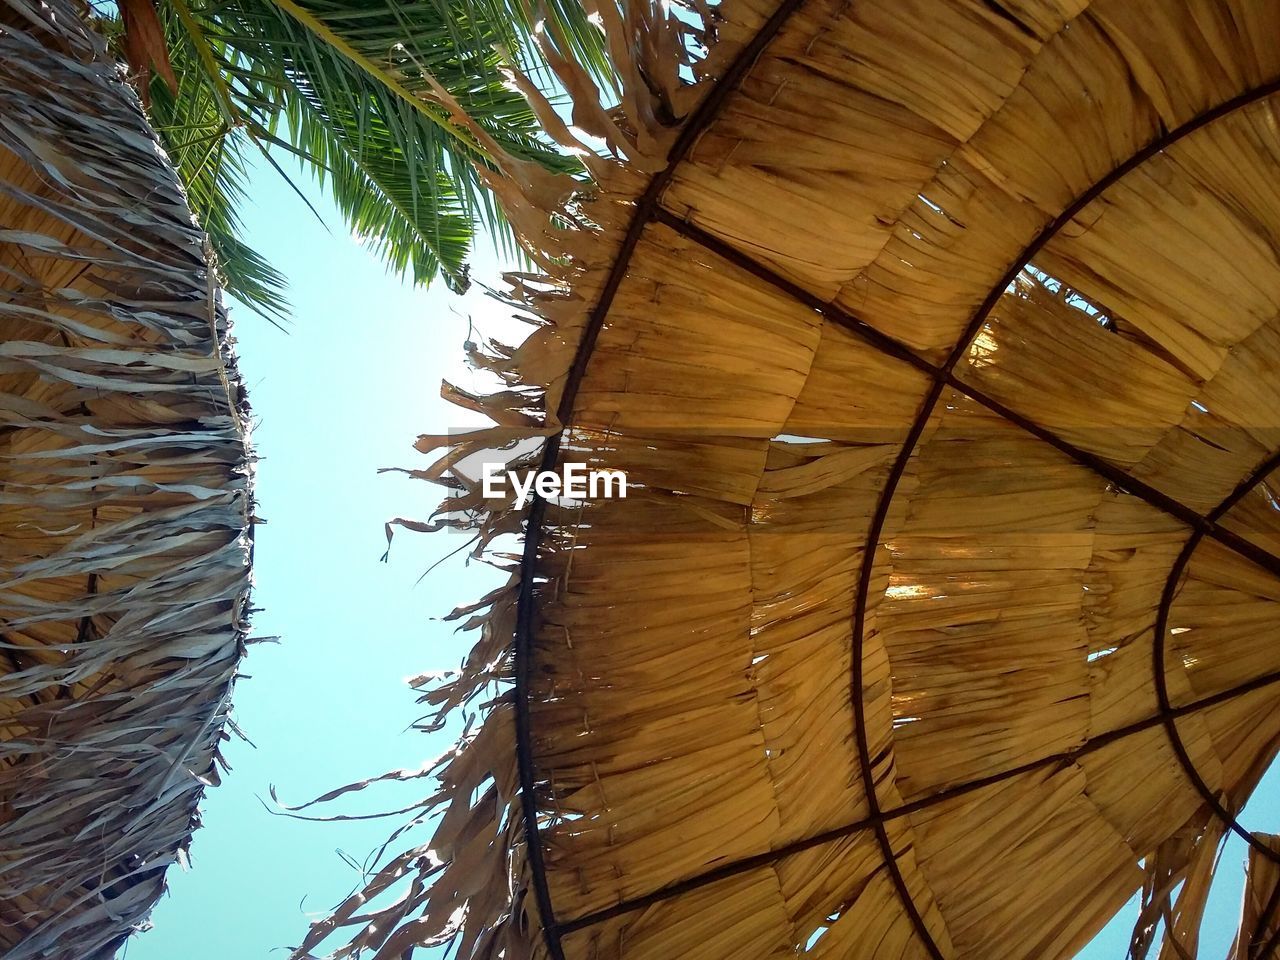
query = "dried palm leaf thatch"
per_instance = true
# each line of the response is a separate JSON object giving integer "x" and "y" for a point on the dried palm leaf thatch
{"x": 124, "y": 500}
{"x": 937, "y": 340}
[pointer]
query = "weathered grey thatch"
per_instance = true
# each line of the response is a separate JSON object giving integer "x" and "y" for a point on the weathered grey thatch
{"x": 938, "y": 339}
{"x": 125, "y": 499}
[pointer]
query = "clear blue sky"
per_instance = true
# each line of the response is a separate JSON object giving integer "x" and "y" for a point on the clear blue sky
{"x": 346, "y": 392}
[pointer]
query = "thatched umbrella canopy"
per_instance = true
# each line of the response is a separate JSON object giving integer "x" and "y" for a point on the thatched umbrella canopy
{"x": 938, "y": 340}
{"x": 124, "y": 499}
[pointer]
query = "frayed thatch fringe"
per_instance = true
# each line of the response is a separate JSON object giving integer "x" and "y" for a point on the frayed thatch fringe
{"x": 470, "y": 883}
{"x": 125, "y": 500}
{"x": 1259, "y": 932}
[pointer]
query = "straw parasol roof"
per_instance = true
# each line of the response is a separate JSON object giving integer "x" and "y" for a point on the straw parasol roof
{"x": 938, "y": 341}
{"x": 124, "y": 500}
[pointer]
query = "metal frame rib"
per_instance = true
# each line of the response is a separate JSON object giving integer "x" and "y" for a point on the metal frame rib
{"x": 646, "y": 207}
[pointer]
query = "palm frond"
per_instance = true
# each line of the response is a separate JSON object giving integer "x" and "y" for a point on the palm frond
{"x": 344, "y": 87}
{"x": 209, "y": 152}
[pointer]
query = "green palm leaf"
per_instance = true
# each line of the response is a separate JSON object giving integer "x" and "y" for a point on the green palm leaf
{"x": 343, "y": 86}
